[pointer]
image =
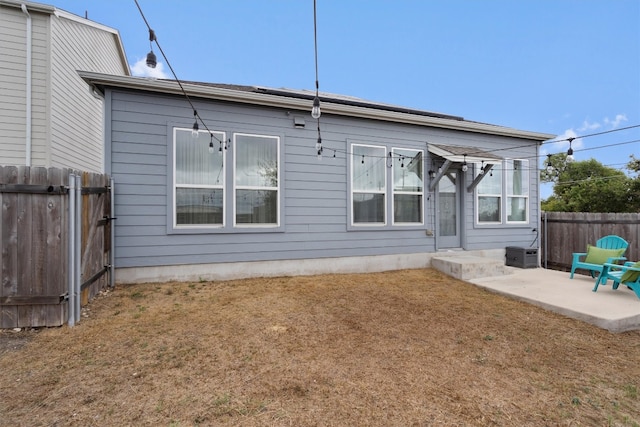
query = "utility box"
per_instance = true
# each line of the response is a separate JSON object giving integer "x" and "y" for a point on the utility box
{"x": 521, "y": 257}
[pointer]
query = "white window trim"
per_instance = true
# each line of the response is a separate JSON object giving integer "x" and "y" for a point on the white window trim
{"x": 411, "y": 193}
{"x": 500, "y": 197}
{"x": 247, "y": 187}
{"x": 352, "y": 192}
{"x": 504, "y": 197}
{"x": 509, "y": 169}
{"x": 175, "y": 186}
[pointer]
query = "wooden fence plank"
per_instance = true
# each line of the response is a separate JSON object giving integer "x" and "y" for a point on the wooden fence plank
{"x": 567, "y": 232}
{"x": 57, "y": 243}
{"x": 34, "y": 245}
{"x": 39, "y": 225}
{"x": 9, "y": 285}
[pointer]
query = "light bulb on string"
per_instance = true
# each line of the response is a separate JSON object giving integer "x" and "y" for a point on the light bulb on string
{"x": 482, "y": 168}
{"x": 465, "y": 167}
{"x": 211, "y": 143}
{"x": 195, "y": 128}
{"x": 549, "y": 165}
{"x": 315, "y": 111}
{"x": 319, "y": 146}
{"x": 151, "y": 57}
{"x": 570, "y": 157}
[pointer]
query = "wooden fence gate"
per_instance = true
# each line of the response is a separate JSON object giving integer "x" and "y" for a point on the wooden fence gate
{"x": 38, "y": 244}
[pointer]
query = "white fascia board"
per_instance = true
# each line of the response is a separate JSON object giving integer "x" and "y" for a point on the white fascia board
{"x": 31, "y": 6}
{"x": 223, "y": 94}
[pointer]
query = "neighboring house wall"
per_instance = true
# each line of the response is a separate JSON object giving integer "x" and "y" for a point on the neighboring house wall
{"x": 77, "y": 118}
{"x": 315, "y": 195}
{"x": 67, "y": 125}
{"x": 12, "y": 84}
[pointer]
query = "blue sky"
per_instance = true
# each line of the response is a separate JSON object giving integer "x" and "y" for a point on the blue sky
{"x": 565, "y": 67}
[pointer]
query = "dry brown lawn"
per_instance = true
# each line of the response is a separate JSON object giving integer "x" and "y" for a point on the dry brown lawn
{"x": 403, "y": 348}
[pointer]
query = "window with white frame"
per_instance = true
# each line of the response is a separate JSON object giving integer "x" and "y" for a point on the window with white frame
{"x": 256, "y": 180}
{"x": 198, "y": 180}
{"x": 368, "y": 185}
{"x": 517, "y": 190}
{"x": 408, "y": 186}
{"x": 489, "y": 197}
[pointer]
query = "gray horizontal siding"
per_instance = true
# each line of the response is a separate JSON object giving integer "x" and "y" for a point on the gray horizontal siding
{"x": 77, "y": 120}
{"x": 13, "y": 83}
{"x": 316, "y": 200}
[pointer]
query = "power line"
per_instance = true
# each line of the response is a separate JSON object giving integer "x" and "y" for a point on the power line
{"x": 592, "y": 134}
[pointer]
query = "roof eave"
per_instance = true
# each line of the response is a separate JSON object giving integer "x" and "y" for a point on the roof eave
{"x": 209, "y": 92}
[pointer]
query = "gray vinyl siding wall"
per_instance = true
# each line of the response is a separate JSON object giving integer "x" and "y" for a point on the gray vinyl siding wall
{"x": 13, "y": 81}
{"x": 67, "y": 128}
{"x": 315, "y": 194}
{"x": 76, "y": 115}
{"x": 40, "y": 131}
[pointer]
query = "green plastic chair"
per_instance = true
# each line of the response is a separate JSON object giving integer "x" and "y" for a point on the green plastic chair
{"x": 608, "y": 249}
{"x": 627, "y": 274}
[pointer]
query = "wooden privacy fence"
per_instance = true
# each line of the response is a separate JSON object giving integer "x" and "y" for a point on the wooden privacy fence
{"x": 55, "y": 244}
{"x": 564, "y": 233}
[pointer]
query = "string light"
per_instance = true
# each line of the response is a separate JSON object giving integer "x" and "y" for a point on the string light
{"x": 465, "y": 167}
{"x": 570, "y": 157}
{"x": 549, "y": 165}
{"x": 482, "y": 168}
{"x": 319, "y": 145}
{"x": 315, "y": 110}
{"x": 195, "y": 129}
{"x": 151, "y": 57}
{"x": 152, "y": 62}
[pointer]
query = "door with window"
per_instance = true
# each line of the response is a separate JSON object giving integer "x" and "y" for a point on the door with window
{"x": 448, "y": 204}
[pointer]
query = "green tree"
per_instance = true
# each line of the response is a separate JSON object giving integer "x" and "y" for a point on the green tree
{"x": 634, "y": 167}
{"x": 589, "y": 186}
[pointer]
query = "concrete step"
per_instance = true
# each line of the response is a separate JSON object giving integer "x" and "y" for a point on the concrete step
{"x": 467, "y": 267}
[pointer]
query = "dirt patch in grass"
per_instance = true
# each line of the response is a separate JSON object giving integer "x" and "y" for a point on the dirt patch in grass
{"x": 410, "y": 348}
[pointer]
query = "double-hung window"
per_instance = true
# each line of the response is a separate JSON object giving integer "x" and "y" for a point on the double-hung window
{"x": 517, "y": 190}
{"x": 504, "y": 197}
{"x": 198, "y": 180}
{"x": 408, "y": 186}
{"x": 489, "y": 197}
{"x": 368, "y": 185}
{"x": 256, "y": 180}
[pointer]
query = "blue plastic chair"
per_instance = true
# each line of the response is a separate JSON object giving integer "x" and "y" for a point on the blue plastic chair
{"x": 615, "y": 272}
{"x": 607, "y": 242}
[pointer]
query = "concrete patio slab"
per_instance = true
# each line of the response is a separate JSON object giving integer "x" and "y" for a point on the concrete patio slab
{"x": 614, "y": 310}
